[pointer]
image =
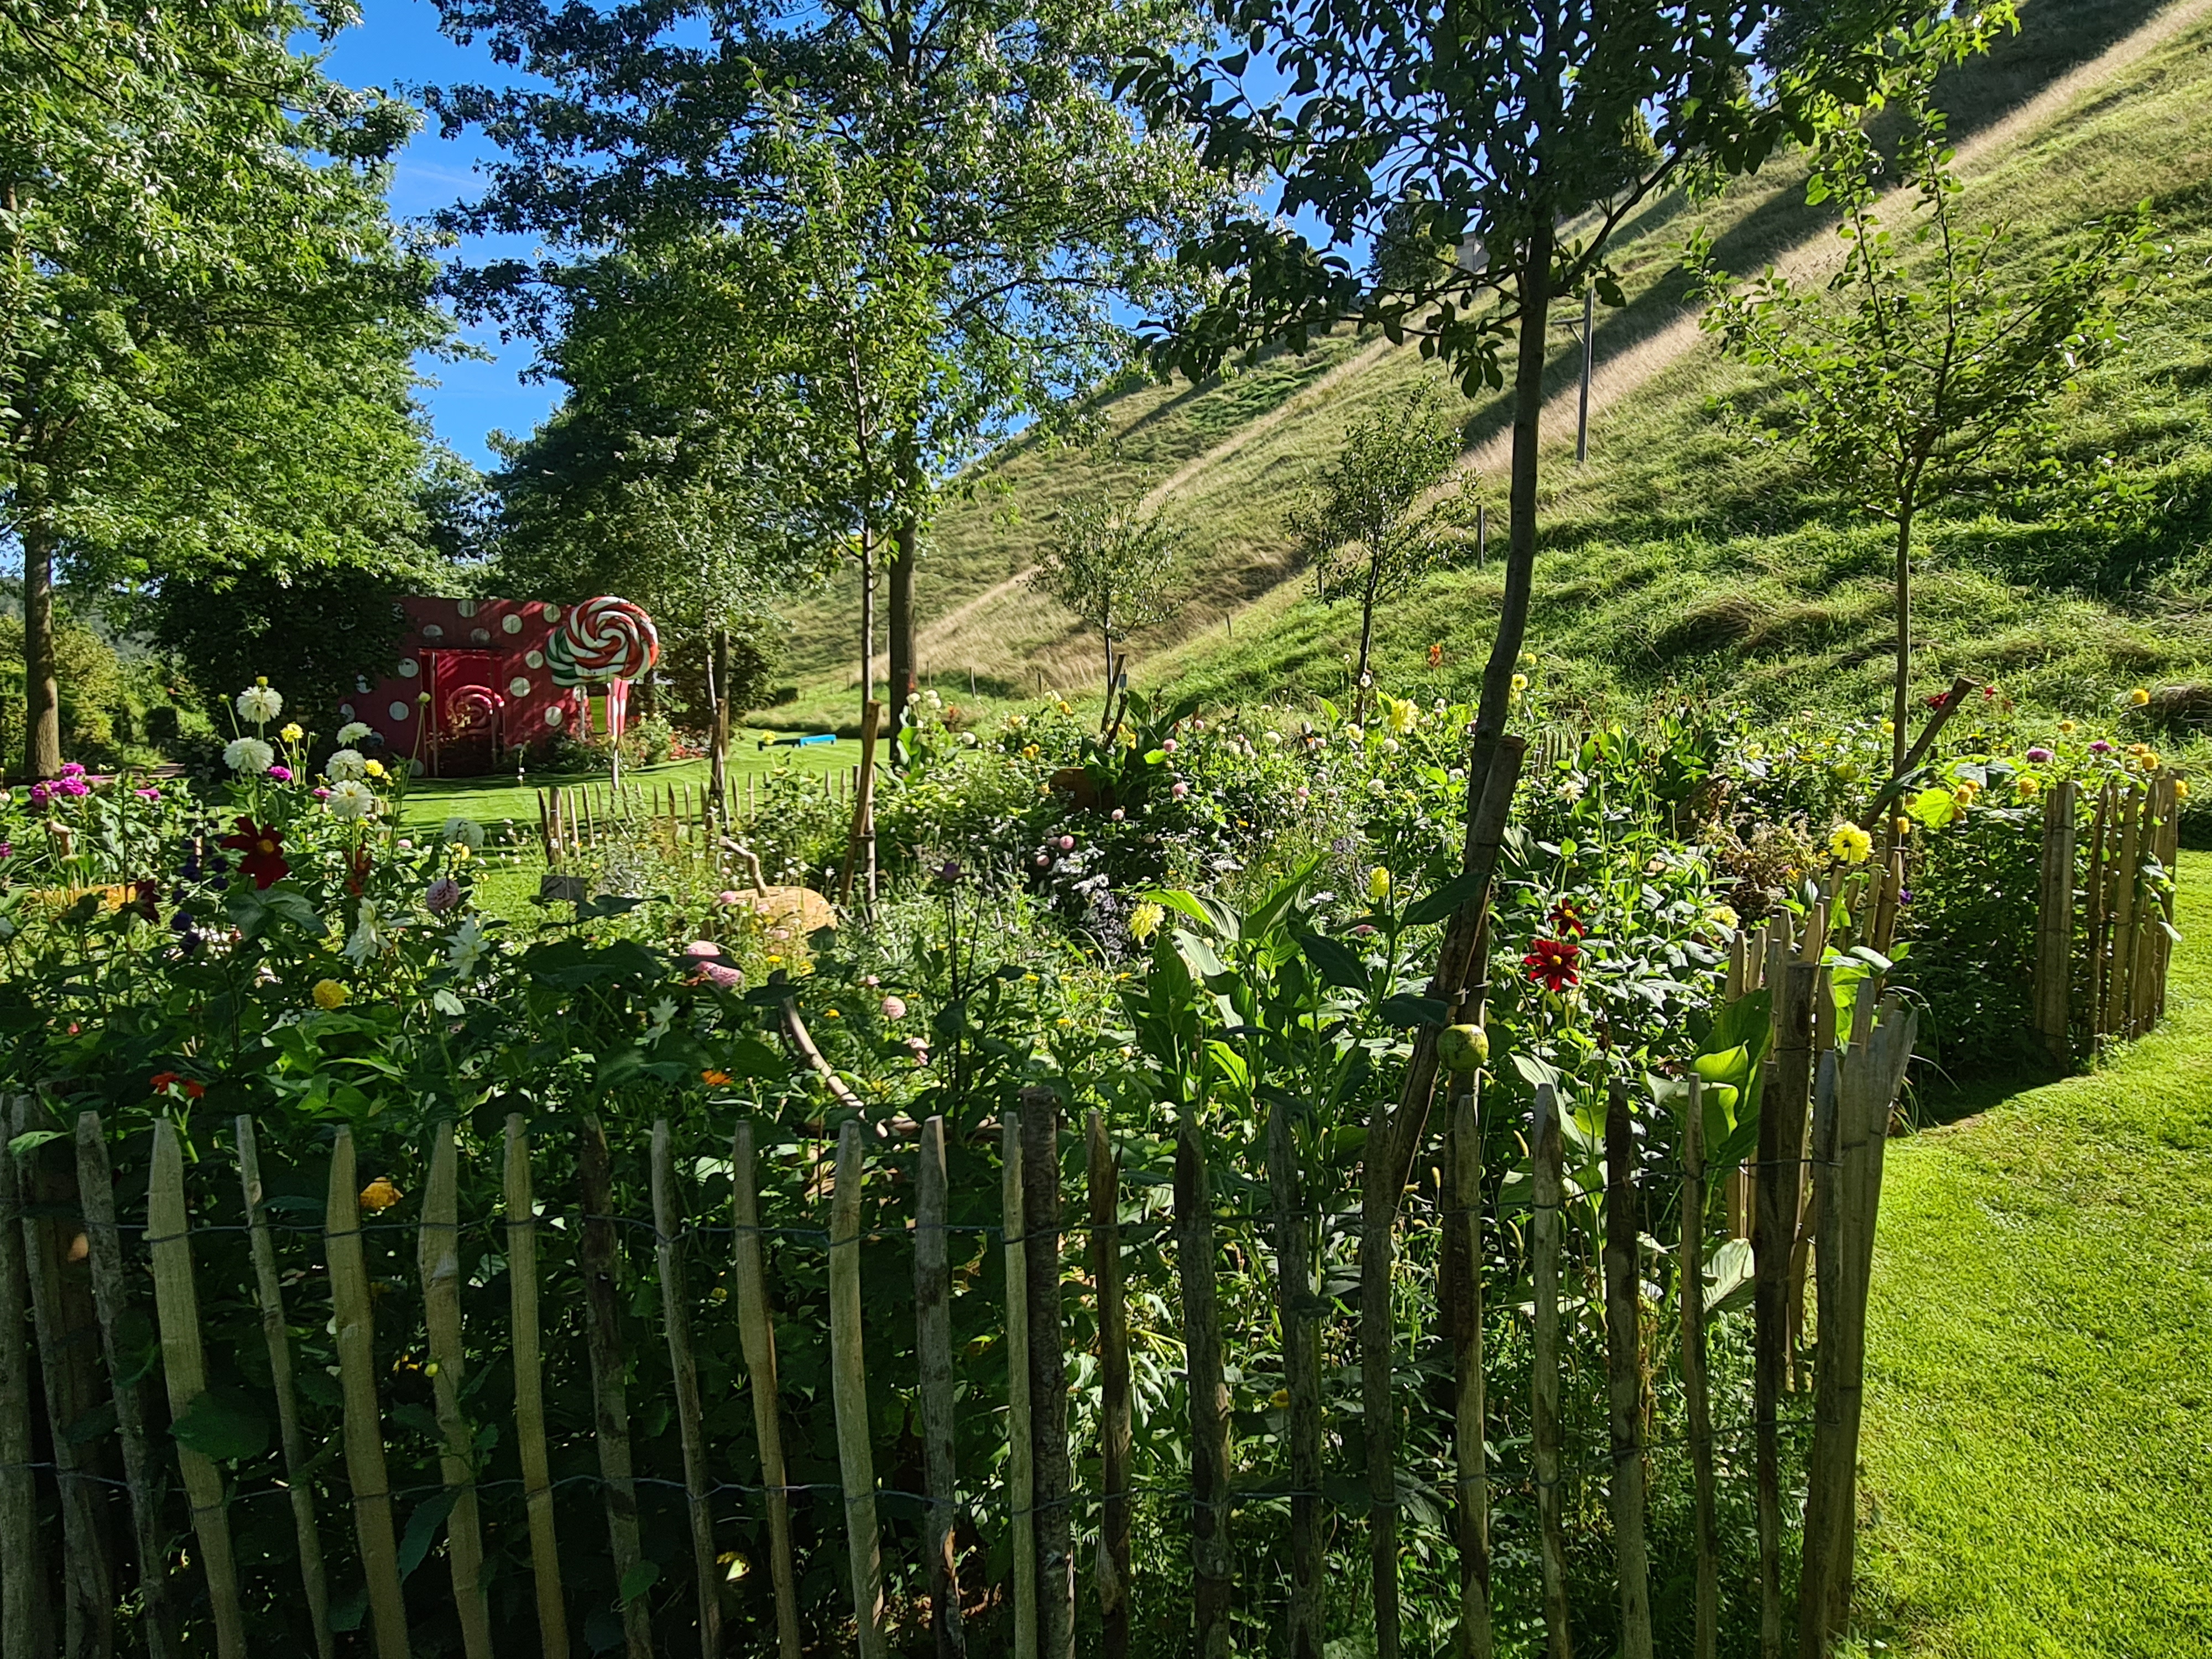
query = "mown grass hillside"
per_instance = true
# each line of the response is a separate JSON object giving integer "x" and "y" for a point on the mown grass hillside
{"x": 1683, "y": 554}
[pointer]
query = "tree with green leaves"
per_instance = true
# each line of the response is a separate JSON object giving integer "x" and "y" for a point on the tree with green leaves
{"x": 994, "y": 203}
{"x": 1918, "y": 372}
{"x": 1368, "y": 527}
{"x": 1114, "y": 568}
{"x": 207, "y": 324}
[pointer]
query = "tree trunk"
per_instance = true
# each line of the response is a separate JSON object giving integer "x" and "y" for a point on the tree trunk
{"x": 1901, "y": 692}
{"x": 718, "y": 697}
{"x": 900, "y": 628}
{"x": 1366, "y": 644}
{"x": 42, "y": 712}
{"x": 867, "y": 619}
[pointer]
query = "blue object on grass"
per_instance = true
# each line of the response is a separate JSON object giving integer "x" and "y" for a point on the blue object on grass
{"x": 798, "y": 742}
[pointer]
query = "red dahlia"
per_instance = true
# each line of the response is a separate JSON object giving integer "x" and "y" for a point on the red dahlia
{"x": 263, "y": 846}
{"x": 1554, "y": 964}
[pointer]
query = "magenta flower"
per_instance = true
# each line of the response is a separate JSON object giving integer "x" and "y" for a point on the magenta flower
{"x": 1067, "y": 843}
{"x": 441, "y": 896}
{"x": 894, "y": 1009}
{"x": 72, "y": 787}
{"x": 147, "y": 795}
{"x": 281, "y": 773}
{"x": 703, "y": 947}
{"x": 2101, "y": 747}
{"x": 722, "y": 974}
{"x": 322, "y": 794}
{"x": 40, "y": 794}
{"x": 2039, "y": 754}
{"x": 7, "y": 849}
{"x": 71, "y": 769}
{"x": 1180, "y": 790}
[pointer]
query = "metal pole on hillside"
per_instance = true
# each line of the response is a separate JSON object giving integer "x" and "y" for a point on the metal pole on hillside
{"x": 1582, "y": 418}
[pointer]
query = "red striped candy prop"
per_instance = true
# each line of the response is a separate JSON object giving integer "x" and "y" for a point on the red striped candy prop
{"x": 601, "y": 640}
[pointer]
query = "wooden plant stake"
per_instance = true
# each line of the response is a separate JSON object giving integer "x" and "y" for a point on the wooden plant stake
{"x": 1778, "y": 1191}
{"x": 1048, "y": 1376}
{"x": 88, "y": 1582}
{"x": 1697, "y": 1401}
{"x": 1209, "y": 1394}
{"x": 1298, "y": 1306}
{"x": 849, "y": 1381}
{"x": 932, "y": 1291}
{"x": 1549, "y": 1199}
{"x": 23, "y": 1606}
{"x": 676, "y": 1316}
{"x": 529, "y": 1391}
{"x": 176, "y": 1303}
{"x": 1021, "y": 1480}
{"x": 277, "y": 1336}
{"x": 2054, "y": 924}
{"x": 95, "y": 1182}
{"x": 1463, "y": 1206}
{"x": 758, "y": 1336}
{"x": 610, "y": 1393}
{"x": 2127, "y": 873}
{"x": 439, "y": 1261}
{"x": 1623, "y": 1322}
{"x": 364, "y": 1428}
{"x": 1114, "y": 1409}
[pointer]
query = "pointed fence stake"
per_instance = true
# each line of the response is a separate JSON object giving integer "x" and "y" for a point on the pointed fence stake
{"x": 849, "y": 1396}
{"x": 530, "y": 1392}
{"x": 758, "y": 1336}
{"x": 932, "y": 1291}
{"x": 676, "y": 1315}
{"x": 364, "y": 1428}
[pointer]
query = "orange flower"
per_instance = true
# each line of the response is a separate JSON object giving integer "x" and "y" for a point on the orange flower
{"x": 380, "y": 1194}
{"x": 193, "y": 1087}
{"x": 715, "y": 1079}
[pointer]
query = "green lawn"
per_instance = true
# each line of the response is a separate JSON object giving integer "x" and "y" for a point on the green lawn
{"x": 431, "y": 801}
{"x": 2039, "y": 1417}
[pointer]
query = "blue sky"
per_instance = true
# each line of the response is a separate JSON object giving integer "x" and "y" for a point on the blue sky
{"x": 398, "y": 46}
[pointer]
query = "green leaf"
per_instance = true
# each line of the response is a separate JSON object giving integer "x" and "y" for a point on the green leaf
{"x": 422, "y": 1528}
{"x": 638, "y": 1580}
{"x": 1335, "y": 961}
{"x": 225, "y": 1424}
{"x": 1728, "y": 1278}
{"x": 1440, "y": 902}
{"x": 23, "y": 1144}
{"x": 1406, "y": 1011}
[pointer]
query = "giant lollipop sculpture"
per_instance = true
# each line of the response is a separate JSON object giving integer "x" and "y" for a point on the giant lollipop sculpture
{"x": 607, "y": 642}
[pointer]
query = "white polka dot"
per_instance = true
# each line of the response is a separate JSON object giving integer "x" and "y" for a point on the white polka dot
{"x": 409, "y": 668}
{"x": 553, "y": 715}
{"x": 517, "y": 687}
{"x": 398, "y": 711}
{"x": 361, "y": 682}
{"x": 466, "y": 607}
{"x": 345, "y": 711}
{"x": 511, "y": 623}
{"x": 550, "y": 612}
{"x": 535, "y": 659}
{"x": 480, "y": 636}
{"x": 432, "y": 631}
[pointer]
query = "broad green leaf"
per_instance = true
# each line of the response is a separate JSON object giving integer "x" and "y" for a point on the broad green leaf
{"x": 224, "y": 1424}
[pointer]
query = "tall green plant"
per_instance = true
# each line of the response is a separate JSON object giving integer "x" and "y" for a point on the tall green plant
{"x": 1913, "y": 373}
{"x": 1114, "y": 568}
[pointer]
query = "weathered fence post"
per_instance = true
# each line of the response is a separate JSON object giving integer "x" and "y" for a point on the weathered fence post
{"x": 530, "y": 1392}
{"x": 1297, "y": 1306}
{"x": 849, "y": 1387}
{"x": 1548, "y": 1199}
{"x": 1463, "y": 1235}
{"x": 364, "y": 1431}
{"x": 1048, "y": 1376}
{"x": 1777, "y": 1192}
{"x": 676, "y": 1316}
{"x": 1624, "y": 1344}
{"x": 23, "y": 1607}
{"x": 609, "y": 1392}
{"x": 184, "y": 1364}
{"x": 1696, "y": 1400}
{"x": 1208, "y": 1391}
{"x": 1021, "y": 1480}
{"x": 439, "y": 1261}
{"x": 2054, "y": 924}
{"x": 2128, "y": 875}
{"x": 1114, "y": 1408}
{"x": 933, "y": 1289}
{"x": 96, "y": 1184}
{"x": 758, "y": 1337}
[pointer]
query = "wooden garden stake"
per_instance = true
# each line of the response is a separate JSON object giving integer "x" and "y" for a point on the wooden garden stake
{"x": 2054, "y": 929}
{"x": 95, "y": 1182}
{"x": 1696, "y": 1402}
{"x": 269, "y": 1293}
{"x": 758, "y": 1336}
{"x": 1470, "y": 1456}
{"x": 1297, "y": 1307}
{"x": 676, "y": 1316}
{"x": 1209, "y": 1394}
{"x": 530, "y": 1392}
{"x": 1021, "y": 1483}
{"x": 1114, "y": 1406}
{"x": 176, "y": 1303}
{"x": 2127, "y": 875}
{"x": 932, "y": 1292}
{"x": 364, "y": 1430}
{"x": 610, "y": 1393}
{"x": 850, "y": 1394}
{"x": 23, "y": 1609}
{"x": 87, "y": 1582}
{"x": 1624, "y": 1344}
{"x": 1048, "y": 1376}
{"x": 1549, "y": 1198}
{"x": 439, "y": 1260}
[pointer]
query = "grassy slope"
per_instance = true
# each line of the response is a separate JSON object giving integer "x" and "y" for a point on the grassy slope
{"x": 2039, "y": 1448}
{"x": 1679, "y": 554}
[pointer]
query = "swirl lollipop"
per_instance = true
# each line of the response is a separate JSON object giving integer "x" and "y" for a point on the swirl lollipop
{"x": 602, "y": 639}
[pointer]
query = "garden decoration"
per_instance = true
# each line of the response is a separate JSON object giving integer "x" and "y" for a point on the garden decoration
{"x": 476, "y": 679}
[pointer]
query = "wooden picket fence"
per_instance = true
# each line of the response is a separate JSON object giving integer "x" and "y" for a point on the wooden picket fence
{"x": 683, "y": 818}
{"x": 2104, "y": 913}
{"x": 1810, "y": 1193}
